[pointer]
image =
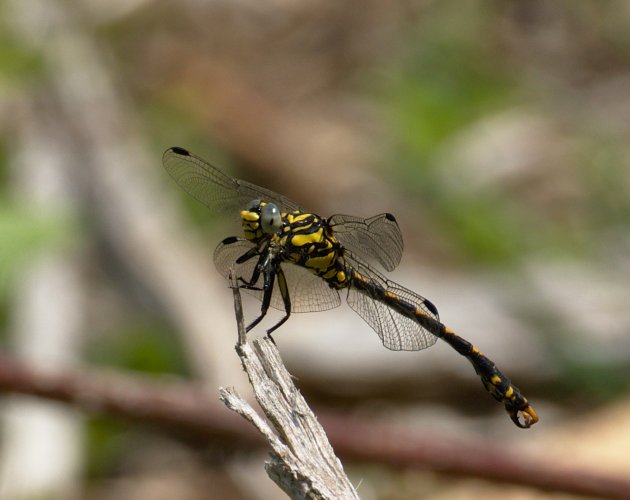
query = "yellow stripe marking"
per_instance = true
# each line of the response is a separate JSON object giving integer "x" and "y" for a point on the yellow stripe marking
{"x": 298, "y": 217}
{"x": 249, "y": 216}
{"x": 329, "y": 274}
{"x": 302, "y": 229}
{"x": 420, "y": 312}
{"x": 299, "y": 240}
{"x": 321, "y": 263}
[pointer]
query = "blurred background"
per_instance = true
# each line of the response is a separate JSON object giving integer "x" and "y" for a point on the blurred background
{"x": 496, "y": 132}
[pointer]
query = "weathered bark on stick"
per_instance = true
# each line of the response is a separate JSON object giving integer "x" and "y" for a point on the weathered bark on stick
{"x": 303, "y": 462}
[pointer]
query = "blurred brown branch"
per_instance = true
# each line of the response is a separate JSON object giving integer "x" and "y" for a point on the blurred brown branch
{"x": 189, "y": 410}
{"x": 177, "y": 406}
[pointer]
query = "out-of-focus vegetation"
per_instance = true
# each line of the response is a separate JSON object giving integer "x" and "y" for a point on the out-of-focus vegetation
{"x": 140, "y": 345}
{"x": 464, "y": 68}
{"x": 26, "y": 235}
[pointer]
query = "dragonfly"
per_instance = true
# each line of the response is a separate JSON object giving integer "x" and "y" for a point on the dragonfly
{"x": 296, "y": 261}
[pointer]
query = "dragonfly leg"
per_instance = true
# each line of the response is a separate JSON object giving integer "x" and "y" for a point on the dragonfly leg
{"x": 495, "y": 382}
{"x": 284, "y": 292}
{"x": 252, "y": 252}
{"x": 248, "y": 284}
{"x": 268, "y": 281}
{"x": 251, "y": 284}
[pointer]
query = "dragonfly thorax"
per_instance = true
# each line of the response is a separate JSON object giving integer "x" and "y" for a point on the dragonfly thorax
{"x": 307, "y": 241}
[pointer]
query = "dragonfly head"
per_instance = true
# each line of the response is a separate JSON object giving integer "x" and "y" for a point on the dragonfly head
{"x": 260, "y": 220}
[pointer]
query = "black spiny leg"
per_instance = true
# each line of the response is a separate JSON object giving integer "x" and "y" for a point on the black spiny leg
{"x": 251, "y": 284}
{"x": 284, "y": 291}
{"x": 252, "y": 252}
{"x": 269, "y": 276}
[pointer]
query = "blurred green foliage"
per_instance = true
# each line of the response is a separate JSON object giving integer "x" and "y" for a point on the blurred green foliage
{"x": 26, "y": 233}
{"x": 605, "y": 170}
{"x": 454, "y": 75}
{"x": 107, "y": 442}
{"x": 143, "y": 344}
{"x": 449, "y": 79}
{"x": 18, "y": 63}
{"x": 584, "y": 378}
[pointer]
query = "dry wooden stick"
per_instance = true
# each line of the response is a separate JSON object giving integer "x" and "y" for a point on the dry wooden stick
{"x": 303, "y": 462}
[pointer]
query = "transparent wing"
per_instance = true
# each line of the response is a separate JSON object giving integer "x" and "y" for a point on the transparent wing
{"x": 398, "y": 332}
{"x": 308, "y": 292}
{"x": 375, "y": 239}
{"x": 215, "y": 189}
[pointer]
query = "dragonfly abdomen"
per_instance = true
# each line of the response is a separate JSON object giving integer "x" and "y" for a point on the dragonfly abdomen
{"x": 495, "y": 382}
{"x": 417, "y": 312}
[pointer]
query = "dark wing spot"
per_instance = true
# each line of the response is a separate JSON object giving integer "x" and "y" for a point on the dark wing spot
{"x": 180, "y": 151}
{"x": 229, "y": 240}
{"x": 430, "y": 306}
{"x": 390, "y": 217}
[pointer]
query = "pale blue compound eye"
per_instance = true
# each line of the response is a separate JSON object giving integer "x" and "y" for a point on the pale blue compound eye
{"x": 270, "y": 218}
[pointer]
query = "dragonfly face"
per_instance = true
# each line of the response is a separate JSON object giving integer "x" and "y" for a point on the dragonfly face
{"x": 260, "y": 221}
{"x": 297, "y": 261}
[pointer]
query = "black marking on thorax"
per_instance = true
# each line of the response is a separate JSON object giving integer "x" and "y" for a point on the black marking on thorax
{"x": 308, "y": 242}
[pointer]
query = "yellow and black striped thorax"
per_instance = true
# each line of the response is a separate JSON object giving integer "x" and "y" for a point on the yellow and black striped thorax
{"x": 305, "y": 240}
{"x": 308, "y": 241}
